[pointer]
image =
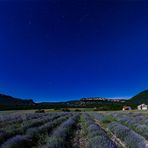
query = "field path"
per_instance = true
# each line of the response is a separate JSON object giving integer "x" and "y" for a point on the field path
{"x": 79, "y": 139}
{"x": 116, "y": 140}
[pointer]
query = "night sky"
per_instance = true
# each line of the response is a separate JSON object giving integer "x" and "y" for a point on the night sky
{"x": 61, "y": 50}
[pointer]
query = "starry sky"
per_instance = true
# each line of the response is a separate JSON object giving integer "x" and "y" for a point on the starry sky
{"x": 59, "y": 50}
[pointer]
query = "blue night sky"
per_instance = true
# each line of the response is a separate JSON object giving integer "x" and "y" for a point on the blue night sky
{"x": 61, "y": 50}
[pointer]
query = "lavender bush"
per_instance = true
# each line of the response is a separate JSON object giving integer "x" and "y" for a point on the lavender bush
{"x": 45, "y": 129}
{"x": 13, "y": 118}
{"x": 17, "y": 142}
{"x": 59, "y": 136}
{"x": 35, "y": 123}
{"x": 97, "y": 137}
{"x": 129, "y": 137}
{"x": 136, "y": 123}
{"x": 98, "y": 116}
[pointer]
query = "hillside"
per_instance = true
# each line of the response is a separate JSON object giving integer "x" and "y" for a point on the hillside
{"x": 140, "y": 98}
{"x": 8, "y": 101}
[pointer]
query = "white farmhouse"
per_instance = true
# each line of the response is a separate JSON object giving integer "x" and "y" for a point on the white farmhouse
{"x": 142, "y": 107}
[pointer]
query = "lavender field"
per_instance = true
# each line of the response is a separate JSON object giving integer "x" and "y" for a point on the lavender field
{"x": 74, "y": 130}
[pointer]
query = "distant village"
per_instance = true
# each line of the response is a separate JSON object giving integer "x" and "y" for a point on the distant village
{"x": 102, "y": 99}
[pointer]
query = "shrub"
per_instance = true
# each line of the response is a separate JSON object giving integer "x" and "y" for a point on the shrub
{"x": 108, "y": 119}
{"x": 77, "y": 110}
{"x": 96, "y": 109}
{"x": 56, "y": 108}
{"x": 66, "y": 110}
{"x": 40, "y": 111}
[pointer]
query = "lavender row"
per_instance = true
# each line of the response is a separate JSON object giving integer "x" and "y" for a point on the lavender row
{"x": 8, "y": 120}
{"x": 4, "y": 135}
{"x": 33, "y": 134}
{"x": 22, "y": 123}
{"x": 98, "y": 116}
{"x": 136, "y": 117}
{"x": 97, "y": 137}
{"x": 60, "y": 135}
{"x": 135, "y": 122}
{"x": 129, "y": 137}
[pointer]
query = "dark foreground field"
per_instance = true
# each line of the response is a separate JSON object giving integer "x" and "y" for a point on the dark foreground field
{"x": 74, "y": 130}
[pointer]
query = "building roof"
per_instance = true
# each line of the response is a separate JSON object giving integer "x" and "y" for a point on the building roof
{"x": 142, "y": 105}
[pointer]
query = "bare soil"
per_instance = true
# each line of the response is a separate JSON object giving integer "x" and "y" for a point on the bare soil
{"x": 79, "y": 140}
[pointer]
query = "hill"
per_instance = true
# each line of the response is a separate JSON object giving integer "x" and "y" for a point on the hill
{"x": 9, "y": 102}
{"x": 106, "y": 104}
{"x": 140, "y": 98}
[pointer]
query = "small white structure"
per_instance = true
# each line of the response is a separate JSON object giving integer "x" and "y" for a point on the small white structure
{"x": 126, "y": 108}
{"x": 142, "y": 107}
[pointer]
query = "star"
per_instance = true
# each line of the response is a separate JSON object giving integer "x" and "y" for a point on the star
{"x": 63, "y": 16}
{"x": 29, "y": 22}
